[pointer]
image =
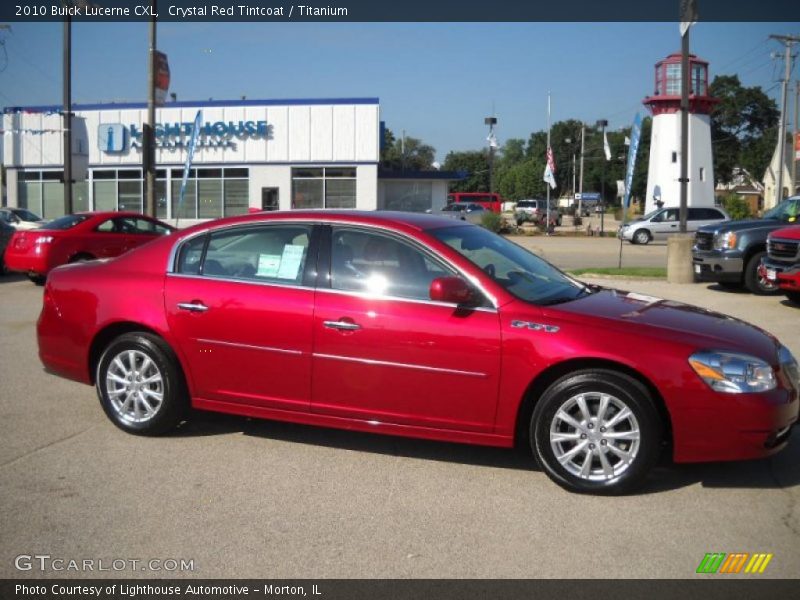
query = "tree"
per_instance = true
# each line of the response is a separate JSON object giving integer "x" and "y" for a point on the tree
{"x": 411, "y": 154}
{"x": 739, "y": 123}
{"x": 473, "y": 162}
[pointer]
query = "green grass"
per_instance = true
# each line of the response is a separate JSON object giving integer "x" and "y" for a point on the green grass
{"x": 624, "y": 271}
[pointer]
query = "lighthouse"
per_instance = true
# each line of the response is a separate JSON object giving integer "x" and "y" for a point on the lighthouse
{"x": 664, "y": 170}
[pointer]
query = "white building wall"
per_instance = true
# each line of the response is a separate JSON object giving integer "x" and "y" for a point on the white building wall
{"x": 663, "y": 174}
{"x": 367, "y": 187}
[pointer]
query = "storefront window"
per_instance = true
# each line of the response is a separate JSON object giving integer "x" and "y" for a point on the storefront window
{"x": 52, "y": 199}
{"x": 187, "y": 209}
{"x": 236, "y": 198}
{"x": 408, "y": 196}
{"x": 30, "y": 195}
{"x": 209, "y": 198}
{"x": 105, "y": 195}
{"x": 130, "y": 196}
{"x": 333, "y": 187}
{"x": 80, "y": 196}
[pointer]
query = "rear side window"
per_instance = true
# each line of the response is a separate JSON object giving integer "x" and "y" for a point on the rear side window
{"x": 65, "y": 222}
{"x": 275, "y": 254}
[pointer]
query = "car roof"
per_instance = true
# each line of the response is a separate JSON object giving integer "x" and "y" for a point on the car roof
{"x": 392, "y": 219}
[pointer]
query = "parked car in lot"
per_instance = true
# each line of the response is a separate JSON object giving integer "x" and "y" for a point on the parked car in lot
{"x": 535, "y": 211}
{"x": 730, "y": 253}
{"x": 6, "y": 231}
{"x": 662, "y": 222}
{"x": 464, "y": 211}
{"x": 77, "y": 238}
{"x": 781, "y": 265}
{"x": 420, "y": 326}
{"x": 20, "y": 218}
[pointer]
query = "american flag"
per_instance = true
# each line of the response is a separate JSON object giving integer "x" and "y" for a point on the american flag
{"x": 550, "y": 169}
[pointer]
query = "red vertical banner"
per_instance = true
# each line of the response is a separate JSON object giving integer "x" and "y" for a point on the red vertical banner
{"x": 161, "y": 76}
{"x": 797, "y": 146}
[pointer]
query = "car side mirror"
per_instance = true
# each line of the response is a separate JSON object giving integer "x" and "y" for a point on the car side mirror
{"x": 453, "y": 290}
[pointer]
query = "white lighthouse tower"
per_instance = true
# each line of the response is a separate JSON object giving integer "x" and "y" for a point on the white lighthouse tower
{"x": 664, "y": 171}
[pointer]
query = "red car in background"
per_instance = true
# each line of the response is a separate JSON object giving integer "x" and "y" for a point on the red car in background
{"x": 79, "y": 237}
{"x": 492, "y": 202}
{"x": 781, "y": 265}
{"x": 419, "y": 326}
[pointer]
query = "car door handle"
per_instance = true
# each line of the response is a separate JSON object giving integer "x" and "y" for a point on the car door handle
{"x": 342, "y": 325}
{"x": 195, "y": 306}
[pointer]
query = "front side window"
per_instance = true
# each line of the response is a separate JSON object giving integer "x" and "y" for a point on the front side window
{"x": 520, "y": 272}
{"x": 381, "y": 265}
{"x": 273, "y": 254}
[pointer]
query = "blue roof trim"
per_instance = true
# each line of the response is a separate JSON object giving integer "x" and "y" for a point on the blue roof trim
{"x": 195, "y": 104}
{"x": 448, "y": 175}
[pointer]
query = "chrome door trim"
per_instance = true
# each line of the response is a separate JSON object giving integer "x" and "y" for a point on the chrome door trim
{"x": 368, "y": 296}
{"x": 250, "y": 346}
{"x": 386, "y": 363}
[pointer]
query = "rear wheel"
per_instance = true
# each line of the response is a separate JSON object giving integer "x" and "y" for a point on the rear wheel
{"x": 140, "y": 385}
{"x": 596, "y": 431}
{"x": 642, "y": 236}
{"x": 794, "y": 297}
{"x": 753, "y": 281}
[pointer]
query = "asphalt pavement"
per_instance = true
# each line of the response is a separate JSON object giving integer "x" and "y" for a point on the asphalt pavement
{"x": 248, "y": 498}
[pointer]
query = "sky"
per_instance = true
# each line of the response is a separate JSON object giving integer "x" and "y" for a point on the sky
{"x": 436, "y": 81}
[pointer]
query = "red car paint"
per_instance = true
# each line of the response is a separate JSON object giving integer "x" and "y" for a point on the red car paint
{"x": 96, "y": 235}
{"x": 782, "y": 263}
{"x": 416, "y": 369}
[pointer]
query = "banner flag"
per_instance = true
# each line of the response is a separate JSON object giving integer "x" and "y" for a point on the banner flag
{"x": 189, "y": 156}
{"x": 636, "y": 132}
{"x": 550, "y": 169}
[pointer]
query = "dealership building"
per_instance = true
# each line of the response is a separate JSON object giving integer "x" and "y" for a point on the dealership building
{"x": 249, "y": 155}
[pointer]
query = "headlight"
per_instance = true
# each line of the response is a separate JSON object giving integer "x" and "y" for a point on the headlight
{"x": 789, "y": 365}
{"x": 725, "y": 241}
{"x": 733, "y": 373}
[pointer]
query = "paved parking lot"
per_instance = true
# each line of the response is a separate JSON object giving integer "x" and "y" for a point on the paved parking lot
{"x": 245, "y": 498}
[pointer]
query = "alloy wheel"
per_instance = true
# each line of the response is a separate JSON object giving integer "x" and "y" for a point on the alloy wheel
{"x": 135, "y": 386}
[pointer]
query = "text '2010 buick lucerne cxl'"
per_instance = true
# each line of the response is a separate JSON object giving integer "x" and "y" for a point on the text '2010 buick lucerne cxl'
{"x": 419, "y": 326}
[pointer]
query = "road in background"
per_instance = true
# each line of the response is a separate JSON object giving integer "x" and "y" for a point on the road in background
{"x": 575, "y": 252}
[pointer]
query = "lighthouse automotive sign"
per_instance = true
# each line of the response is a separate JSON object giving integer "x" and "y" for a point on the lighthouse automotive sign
{"x": 116, "y": 137}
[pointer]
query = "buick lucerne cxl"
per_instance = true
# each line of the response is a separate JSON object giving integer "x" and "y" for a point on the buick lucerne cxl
{"x": 419, "y": 326}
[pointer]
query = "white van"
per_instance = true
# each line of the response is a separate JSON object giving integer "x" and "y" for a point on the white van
{"x": 660, "y": 223}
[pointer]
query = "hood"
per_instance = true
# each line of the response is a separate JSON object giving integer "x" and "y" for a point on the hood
{"x": 679, "y": 322}
{"x": 749, "y": 224}
{"x": 786, "y": 233}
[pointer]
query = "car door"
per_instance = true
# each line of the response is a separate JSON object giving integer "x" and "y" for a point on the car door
{"x": 240, "y": 305}
{"x": 106, "y": 240}
{"x": 665, "y": 223}
{"x": 384, "y": 351}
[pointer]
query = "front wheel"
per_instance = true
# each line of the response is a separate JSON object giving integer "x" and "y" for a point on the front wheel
{"x": 596, "y": 431}
{"x": 753, "y": 281}
{"x": 140, "y": 385}
{"x": 642, "y": 236}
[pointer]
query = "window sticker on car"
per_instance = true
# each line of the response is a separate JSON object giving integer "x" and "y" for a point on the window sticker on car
{"x": 290, "y": 261}
{"x": 268, "y": 265}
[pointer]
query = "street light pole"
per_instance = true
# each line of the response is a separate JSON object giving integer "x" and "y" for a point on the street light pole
{"x": 580, "y": 181}
{"x": 67, "y": 113}
{"x": 602, "y": 124}
{"x": 491, "y": 122}
{"x": 149, "y": 153}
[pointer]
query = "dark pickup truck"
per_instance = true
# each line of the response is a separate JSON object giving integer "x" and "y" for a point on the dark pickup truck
{"x": 730, "y": 253}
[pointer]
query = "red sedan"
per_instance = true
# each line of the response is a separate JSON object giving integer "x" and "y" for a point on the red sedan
{"x": 77, "y": 238}
{"x": 418, "y": 326}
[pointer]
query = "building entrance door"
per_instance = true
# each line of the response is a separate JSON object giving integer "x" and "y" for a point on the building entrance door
{"x": 269, "y": 198}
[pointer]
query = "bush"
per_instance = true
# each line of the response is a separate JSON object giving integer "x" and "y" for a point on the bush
{"x": 492, "y": 221}
{"x": 736, "y": 206}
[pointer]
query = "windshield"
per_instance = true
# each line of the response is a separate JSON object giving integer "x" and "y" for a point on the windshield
{"x": 523, "y": 274}
{"x": 26, "y": 215}
{"x": 65, "y": 222}
{"x": 785, "y": 211}
{"x": 649, "y": 215}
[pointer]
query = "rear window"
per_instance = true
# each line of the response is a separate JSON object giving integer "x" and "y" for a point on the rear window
{"x": 65, "y": 222}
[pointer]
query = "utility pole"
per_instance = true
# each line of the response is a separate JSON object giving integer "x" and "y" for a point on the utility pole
{"x": 796, "y": 147}
{"x": 149, "y": 150}
{"x": 580, "y": 181}
{"x": 67, "y": 112}
{"x": 788, "y": 41}
{"x": 602, "y": 124}
{"x": 684, "y": 177}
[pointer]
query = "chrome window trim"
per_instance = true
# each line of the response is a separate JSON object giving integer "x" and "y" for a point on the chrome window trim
{"x": 368, "y": 296}
{"x": 250, "y": 346}
{"x": 173, "y": 255}
{"x": 246, "y": 281}
{"x": 386, "y": 363}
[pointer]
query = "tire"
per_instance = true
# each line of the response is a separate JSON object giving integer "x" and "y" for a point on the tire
{"x": 587, "y": 473}
{"x": 37, "y": 279}
{"x": 793, "y": 297}
{"x": 753, "y": 282}
{"x": 641, "y": 236}
{"x": 143, "y": 413}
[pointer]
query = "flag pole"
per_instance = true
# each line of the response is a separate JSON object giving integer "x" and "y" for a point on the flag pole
{"x": 547, "y": 222}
